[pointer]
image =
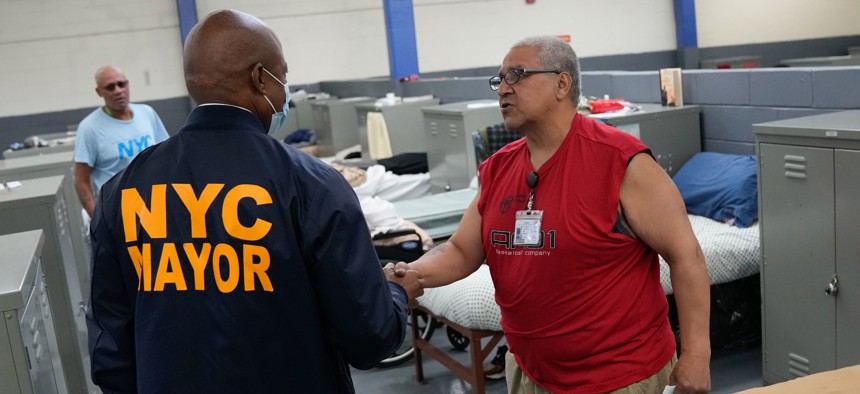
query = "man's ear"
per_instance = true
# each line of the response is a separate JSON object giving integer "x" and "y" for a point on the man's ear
{"x": 99, "y": 92}
{"x": 565, "y": 83}
{"x": 257, "y": 80}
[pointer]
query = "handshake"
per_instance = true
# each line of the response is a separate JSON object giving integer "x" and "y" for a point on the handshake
{"x": 407, "y": 278}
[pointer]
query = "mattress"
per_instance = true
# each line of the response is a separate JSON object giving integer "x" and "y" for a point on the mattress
{"x": 730, "y": 253}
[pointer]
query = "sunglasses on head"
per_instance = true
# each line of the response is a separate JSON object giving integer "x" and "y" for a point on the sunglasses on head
{"x": 113, "y": 85}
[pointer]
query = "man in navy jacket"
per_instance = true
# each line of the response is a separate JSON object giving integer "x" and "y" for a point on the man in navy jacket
{"x": 225, "y": 261}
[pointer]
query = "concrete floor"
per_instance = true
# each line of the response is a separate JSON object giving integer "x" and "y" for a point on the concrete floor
{"x": 731, "y": 371}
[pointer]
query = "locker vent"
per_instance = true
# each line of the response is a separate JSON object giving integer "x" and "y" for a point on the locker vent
{"x": 795, "y": 166}
{"x": 797, "y": 366}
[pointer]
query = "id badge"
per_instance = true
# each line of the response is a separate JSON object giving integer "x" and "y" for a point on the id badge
{"x": 527, "y": 228}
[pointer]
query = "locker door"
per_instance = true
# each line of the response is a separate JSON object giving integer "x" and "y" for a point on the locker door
{"x": 436, "y": 150}
{"x": 457, "y": 155}
{"x": 848, "y": 257}
{"x": 797, "y": 242}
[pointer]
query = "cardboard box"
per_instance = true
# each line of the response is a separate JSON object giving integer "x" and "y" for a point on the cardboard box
{"x": 840, "y": 381}
{"x": 671, "y": 89}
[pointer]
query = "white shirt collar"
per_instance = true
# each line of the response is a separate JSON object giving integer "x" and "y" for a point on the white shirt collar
{"x": 226, "y": 105}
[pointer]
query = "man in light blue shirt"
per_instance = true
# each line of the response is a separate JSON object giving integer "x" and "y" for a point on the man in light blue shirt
{"x": 112, "y": 135}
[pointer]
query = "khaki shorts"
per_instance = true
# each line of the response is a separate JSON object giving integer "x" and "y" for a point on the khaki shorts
{"x": 519, "y": 382}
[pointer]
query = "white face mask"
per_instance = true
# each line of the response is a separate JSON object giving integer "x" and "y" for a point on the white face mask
{"x": 279, "y": 118}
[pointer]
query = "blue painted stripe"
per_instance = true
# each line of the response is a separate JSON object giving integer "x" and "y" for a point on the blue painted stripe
{"x": 400, "y": 32}
{"x": 187, "y": 10}
{"x": 685, "y": 24}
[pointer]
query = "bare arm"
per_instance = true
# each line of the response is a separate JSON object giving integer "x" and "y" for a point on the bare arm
{"x": 457, "y": 258}
{"x": 83, "y": 185}
{"x": 655, "y": 211}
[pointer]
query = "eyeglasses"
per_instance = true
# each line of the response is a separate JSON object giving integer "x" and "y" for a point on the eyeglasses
{"x": 515, "y": 74}
{"x": 113, "y": 85}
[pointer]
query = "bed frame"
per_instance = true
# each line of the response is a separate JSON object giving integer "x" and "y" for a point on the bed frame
{"x": 473, "y": 375}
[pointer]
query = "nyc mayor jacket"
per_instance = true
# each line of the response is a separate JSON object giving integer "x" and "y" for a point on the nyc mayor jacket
{"x": 227, "y": 262}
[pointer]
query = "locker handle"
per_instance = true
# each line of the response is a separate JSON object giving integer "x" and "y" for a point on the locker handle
{"x": 795, "y": 175}
{"x": 832, "y": 288}
{"x": 798, "y": 167}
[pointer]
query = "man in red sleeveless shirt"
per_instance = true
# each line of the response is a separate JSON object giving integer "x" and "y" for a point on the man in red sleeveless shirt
{"x": 570, "y": 220}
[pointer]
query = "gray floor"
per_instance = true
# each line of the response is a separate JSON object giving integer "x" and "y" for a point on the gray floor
{"x": 731, "y": 371}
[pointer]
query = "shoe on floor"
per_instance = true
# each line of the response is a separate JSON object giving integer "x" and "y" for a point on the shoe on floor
{"x": 496, "y": 368}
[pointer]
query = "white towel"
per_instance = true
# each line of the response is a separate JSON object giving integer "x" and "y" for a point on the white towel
{"x": 378, "y": 142}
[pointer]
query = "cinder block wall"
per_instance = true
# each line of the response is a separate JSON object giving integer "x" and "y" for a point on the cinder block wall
{"x": 733, "y": 100}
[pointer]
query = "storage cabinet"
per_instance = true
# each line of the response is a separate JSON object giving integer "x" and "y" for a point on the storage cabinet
{"x": 25, "y": 348}
{"x": 809, "y": 203}
{"x": 41, "y": 204}
{"x": 404, "y": 122}
{"x": 450, "y": 149}
{"x": 41, "y": 166}
{"x": 336, "y": 123}
{"x": 672, "y": 133}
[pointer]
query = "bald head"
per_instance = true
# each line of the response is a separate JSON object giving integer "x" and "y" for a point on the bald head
{"x": 223, "y": 54}
{"x": 105, "y": 72}
{"x": 112, "y": 86}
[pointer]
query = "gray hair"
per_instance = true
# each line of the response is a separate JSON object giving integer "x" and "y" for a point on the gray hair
{"x": 557, "y": 55}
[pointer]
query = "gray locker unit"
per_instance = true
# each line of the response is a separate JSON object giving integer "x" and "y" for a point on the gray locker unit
{"x": 673, "y": 133}
{"x": 450, "y": 149}
{"x": 58, "y": 136}
{"x": 25, "y": 348}
{"x": 751, "y": 61}
{"x": 404, "y": 122}
{"x": 822, "y": 61}
{"x": 40, "y": 204}
{"x": 336, "y": 123}
{"x": 45, "y": 150}
{"x": 301, "y": 117}
{"x": 809, "y": 188}
{"x": 32, "y": 167}
{"x": 305, "y": 112}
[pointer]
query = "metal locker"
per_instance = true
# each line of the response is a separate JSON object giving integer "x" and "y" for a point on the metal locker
{"x": 40, "y": 204}
{"x": 25, "y": 348}
{"x": 797, "y": 187}
{"x": 450, "y": 150}
{"x": 848, "y": 257}
{"x": 809, "y": 189}
{"x": 29, "y": 167}
{"x": 336, "y": 123}
{"x": 672, "y": 133}
{"x": 404, "y": 122}
{"x": 32, "y": 167}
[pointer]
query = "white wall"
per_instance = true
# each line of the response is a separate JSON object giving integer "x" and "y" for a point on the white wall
{"x": 736, "y": 22}
{"x": 49, "y": 49}
{"x": 464, "y": 34}
{"x": 322, "y": 39}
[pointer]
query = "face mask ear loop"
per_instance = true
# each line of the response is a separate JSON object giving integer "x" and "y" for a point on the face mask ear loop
{"x": 264, "y": 96}
{"x": 270, "y": 104}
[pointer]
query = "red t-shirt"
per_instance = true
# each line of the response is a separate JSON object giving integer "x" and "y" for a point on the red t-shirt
{"x": 583, "y": 312}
